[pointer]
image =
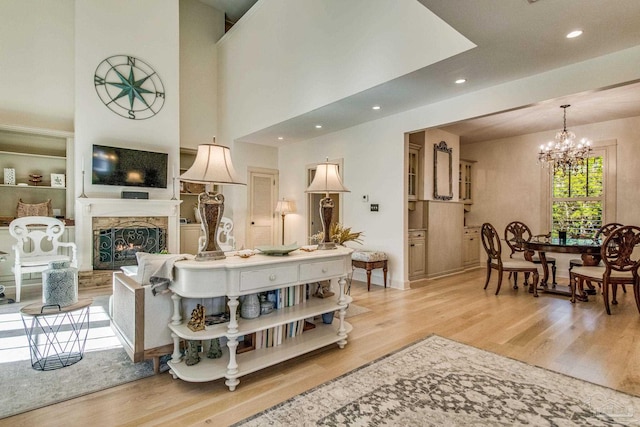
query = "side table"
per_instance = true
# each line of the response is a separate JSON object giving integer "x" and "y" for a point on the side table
{"x": 370, "y": 260}
{"x": 56, "y": 335}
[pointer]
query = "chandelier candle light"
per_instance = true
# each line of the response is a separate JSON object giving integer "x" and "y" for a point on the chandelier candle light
{"x": 565, "y": 153}
{"x": 212, "y": 166}
{"x": 326, "y": 180}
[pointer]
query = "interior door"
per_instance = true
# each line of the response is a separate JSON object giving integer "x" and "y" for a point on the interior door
{"x": 262, "y": 201}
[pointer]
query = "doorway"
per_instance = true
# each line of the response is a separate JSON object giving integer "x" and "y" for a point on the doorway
{"x": 263, "y": 195}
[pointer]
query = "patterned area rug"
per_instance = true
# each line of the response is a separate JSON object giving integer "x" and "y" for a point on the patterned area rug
{"x": 105, "y": 364}
{"x": 439, "y": 382}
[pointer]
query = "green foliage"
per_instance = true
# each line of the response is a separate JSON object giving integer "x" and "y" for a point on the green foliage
{"x": 577, "y": 199}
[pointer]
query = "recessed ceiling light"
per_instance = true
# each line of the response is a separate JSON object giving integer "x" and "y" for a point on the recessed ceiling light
{"x": 460, "y": 81}
{"x": 574, "y": 34}
{"x": 376, "y": 107}
{"x": 318, "y": 126}
{"x": 280, "y": 138}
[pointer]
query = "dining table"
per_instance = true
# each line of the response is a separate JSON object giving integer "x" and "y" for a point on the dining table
{"x": 588, "y": 249}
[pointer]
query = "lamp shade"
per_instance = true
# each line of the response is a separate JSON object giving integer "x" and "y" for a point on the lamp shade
{"x": 284, "y": 207}
{"x": 212, "y": 165}
{"x": 327, "y": 180}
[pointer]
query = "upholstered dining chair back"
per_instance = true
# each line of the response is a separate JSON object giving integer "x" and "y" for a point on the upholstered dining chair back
{"x": 620, "y": 253}
{"x": 516, "y": 233}
{"x": 491, "y": 242}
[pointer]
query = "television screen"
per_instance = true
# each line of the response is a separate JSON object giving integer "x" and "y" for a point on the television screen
{"x": 131, "y": 168}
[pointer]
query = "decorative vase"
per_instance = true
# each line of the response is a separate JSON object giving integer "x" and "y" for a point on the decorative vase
{"x": 215, "y": 352}
{"x": 328, "y": 317}
{"x": 250, "y": 308}
{"x": 60, "y": 284}
{"x": 562, "y": 236}
{"x": 192, "y": 357}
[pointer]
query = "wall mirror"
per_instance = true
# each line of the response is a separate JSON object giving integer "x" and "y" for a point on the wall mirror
{"x": 442, "y": 171}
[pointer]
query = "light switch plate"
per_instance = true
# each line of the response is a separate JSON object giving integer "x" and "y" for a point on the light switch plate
{"x": 374, "y": 207}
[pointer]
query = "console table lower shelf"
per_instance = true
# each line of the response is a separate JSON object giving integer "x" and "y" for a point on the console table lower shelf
{"x": 213, "y": 369}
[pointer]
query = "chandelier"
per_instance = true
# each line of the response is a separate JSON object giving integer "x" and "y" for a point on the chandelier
{"x": 565, "y": 153}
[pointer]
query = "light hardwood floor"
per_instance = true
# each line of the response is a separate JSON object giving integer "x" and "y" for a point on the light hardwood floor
{"x": 578, "y": 340}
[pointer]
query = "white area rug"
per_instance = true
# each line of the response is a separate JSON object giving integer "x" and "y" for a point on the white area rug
{"x": 439, "y": 382}
{"x": 105, "y": 364}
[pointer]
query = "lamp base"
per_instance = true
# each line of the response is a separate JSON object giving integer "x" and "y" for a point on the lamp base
{"x": 210, "y": 255}
{"x": 327, "y": 245}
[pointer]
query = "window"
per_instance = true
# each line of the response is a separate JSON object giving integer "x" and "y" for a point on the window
{"x": 578, "y": 199}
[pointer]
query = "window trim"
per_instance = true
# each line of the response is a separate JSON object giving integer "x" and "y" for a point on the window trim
{"x": 609, "y": 214}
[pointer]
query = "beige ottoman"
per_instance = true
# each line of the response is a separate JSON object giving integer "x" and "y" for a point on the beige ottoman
{"x": 370, "y": 260}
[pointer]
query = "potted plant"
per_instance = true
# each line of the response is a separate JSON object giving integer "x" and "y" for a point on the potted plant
{"x": 339, "y": 234}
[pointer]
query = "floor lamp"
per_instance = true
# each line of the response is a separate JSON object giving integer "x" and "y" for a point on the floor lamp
{"x": 284, "y": 207}
{"x": 212, "y": 166}
{"x": 326, "y": 180}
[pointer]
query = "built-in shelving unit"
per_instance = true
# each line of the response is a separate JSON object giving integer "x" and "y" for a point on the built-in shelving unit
{"x": 36, "y": 151}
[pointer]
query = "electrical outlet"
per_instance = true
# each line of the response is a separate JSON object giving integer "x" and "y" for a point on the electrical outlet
{"x": 374, "y": 207}
{"x": 365, "y": 198}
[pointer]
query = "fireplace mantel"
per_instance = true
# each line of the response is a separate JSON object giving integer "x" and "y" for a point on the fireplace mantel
{"x": 87, "y": 209}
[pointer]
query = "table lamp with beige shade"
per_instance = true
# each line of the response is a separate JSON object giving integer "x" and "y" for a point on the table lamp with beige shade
{"x": 327, "y": 180}
{"x": 212, "y": 166}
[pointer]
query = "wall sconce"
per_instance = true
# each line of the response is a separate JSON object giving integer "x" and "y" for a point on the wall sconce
{"x": 284, "y": 207}
{"x": 212, "y": 166}
{"x": 326, "y": 180}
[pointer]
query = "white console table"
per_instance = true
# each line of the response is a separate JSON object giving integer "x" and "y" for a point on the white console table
{"x": 234, "y": 277}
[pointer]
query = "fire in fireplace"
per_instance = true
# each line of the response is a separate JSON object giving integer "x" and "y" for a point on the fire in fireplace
{"x": 117, "y": 246}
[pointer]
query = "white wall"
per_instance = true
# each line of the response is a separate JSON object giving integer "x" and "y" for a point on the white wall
{"x": 37, "y": 63}
{"x": 286, "y": 58}
{"x": 102, "y": 30}
{"x": 201, "y": 27}
{"x": 509, "y": 183}
{"x": 373, "y": 152}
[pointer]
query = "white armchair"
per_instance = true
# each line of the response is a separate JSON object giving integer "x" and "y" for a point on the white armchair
{"x": 37, "y": 247}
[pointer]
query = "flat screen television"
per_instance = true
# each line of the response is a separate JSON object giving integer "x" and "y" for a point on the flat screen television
{"x": 127, "y": 167}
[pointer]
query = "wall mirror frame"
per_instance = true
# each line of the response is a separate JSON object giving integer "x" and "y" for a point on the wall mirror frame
{"x": 442, "y": 171}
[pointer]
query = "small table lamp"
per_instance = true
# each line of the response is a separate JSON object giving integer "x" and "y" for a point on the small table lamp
{"x": 212, "y": 166}
{"x": 284, "y": 207}
{"x": 327, "y": 180}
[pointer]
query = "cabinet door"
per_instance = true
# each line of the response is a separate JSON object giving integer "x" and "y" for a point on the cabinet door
{"x": 189, "y": 235}
{"x": 413, "y": 173}
{"x": 471, "y": 249}
{"x": 417, "y": 257}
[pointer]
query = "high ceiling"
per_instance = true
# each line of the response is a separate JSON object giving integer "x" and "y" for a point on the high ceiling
{"x": 515, "y": 39}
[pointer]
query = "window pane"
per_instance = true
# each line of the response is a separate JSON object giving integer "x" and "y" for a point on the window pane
{"x": 578, "y": 218}
{"x": 595, "y": 187}
{"x": 560, "y": 185}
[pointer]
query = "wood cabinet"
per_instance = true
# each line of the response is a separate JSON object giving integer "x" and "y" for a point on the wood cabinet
{"x": 414, "y": 172}
{"x": 36, "y": 151}
{"x": 235, "y": 277}
{"x": 445, "y": 224}
{"x": 417, "y": 254}
{"x": 471, "y": 241}
{"x": 465, "y": 181}
{"x": 189, "y": 235}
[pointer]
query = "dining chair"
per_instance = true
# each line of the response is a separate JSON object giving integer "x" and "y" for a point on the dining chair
{"x": 516, "y": 233}
{"x": 621, "y": 257}
{"x": 493, "y": 248}
{"x": 602, "y": 232}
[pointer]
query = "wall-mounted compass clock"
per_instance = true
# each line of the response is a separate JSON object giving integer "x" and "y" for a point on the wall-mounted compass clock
{"x": 129, "y": 87}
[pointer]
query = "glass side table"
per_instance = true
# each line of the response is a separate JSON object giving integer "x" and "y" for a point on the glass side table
{"x": 57, "y": 335}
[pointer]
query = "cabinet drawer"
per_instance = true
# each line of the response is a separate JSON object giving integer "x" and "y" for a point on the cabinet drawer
{"x": 321, "y": 270}
{"x": 473, "y": 230}
{"x": 268, "y": 277}
{"x": 417, "y": 234}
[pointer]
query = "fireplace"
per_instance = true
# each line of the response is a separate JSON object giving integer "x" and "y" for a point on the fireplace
{"x": 117, "y": 246}
{"x": 104, "y": 214}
